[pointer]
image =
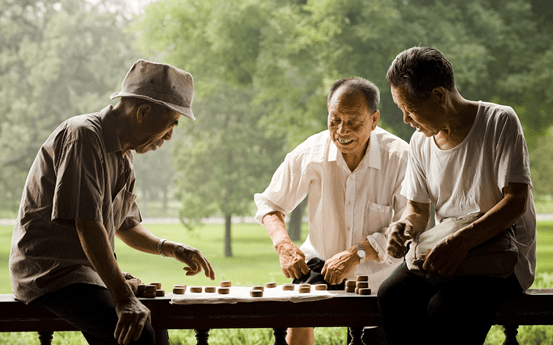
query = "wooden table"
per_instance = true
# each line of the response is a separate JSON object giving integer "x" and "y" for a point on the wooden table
{"x": 344, "y": 310}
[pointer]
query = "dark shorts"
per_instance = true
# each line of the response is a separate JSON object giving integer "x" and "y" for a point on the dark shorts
{"x": 314, "y": 275}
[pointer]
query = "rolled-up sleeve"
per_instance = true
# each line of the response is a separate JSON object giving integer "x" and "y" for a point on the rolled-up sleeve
{"x": 288, "y": 187}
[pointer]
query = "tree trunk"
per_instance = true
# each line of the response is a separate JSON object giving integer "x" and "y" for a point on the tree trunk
{"x": 228, "y": 248}
{"x": 296, "y": 217}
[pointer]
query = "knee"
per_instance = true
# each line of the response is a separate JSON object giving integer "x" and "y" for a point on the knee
{"x": 387, "y": 291}
{"x": 148, "y": 336}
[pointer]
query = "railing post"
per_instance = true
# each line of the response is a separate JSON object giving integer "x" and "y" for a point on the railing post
{"x": 45, "y": 338}
{"x": 510, "y": 332}
{"x": 201, "y": 336}
{"x": 356, "y": 334}
{"x": 280, "y": 336}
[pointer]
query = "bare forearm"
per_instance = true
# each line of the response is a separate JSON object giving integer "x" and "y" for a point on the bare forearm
{"x": 276, "y": 228}
{"x": 418, "y": 214}
{"x": 140, "y": 238}
{"x": 499, "y": 218}
{"x": 94, "y": 241}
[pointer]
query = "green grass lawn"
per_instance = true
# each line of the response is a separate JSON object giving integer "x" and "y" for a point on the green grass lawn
{"x": 254, "y": 262}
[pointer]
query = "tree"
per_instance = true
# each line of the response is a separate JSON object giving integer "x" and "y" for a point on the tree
{"x": 280, "y": 57}
{"x": 222, "y": 161}
{"x": 227, "y": 155}
{"x": 57, "y": 59}
{"x": 494, "y": 47}
{"x": 541, "y": 161}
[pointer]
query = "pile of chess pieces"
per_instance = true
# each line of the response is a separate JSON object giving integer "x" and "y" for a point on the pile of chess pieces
{"x": 359, "y": 286}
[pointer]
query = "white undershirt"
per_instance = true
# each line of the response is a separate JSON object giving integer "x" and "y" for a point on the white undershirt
{"x": 470, "y": 177}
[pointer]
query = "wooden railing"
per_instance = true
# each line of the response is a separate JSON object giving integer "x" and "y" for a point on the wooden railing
{"x": 345, "y": 310}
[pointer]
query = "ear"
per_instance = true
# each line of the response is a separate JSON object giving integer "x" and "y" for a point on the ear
{"x": 375, "y": 117}
{"x": 141, "y": 112}
{"x": 440, "y": 94}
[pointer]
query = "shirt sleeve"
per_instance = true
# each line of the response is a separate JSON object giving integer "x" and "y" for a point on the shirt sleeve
{"x": 415, "y": 187}
{"x": 78, "y": 192}
{"x": 288, "y": 187}
{"x": 511, "y": 160}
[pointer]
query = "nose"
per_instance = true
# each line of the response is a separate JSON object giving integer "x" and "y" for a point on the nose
{"x": 343, "y": 128}
{"x": 168, "y": 135}
{"x": 406, "y": 118}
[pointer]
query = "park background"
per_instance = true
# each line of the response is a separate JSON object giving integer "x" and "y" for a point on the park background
{"x": 262, "y": 69}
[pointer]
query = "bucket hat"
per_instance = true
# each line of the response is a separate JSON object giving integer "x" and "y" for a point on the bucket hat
{"x": 159, "y": 83}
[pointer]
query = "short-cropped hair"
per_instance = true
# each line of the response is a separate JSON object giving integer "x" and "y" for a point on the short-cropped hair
{"x": 420, "y": 70}
{"x": 365, "y": 87}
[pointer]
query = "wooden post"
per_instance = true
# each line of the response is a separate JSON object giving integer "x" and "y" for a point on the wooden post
{"x": 356, "y": 334}
{"x": 280, "y": 336}
{"x": 510, "y": 332}
{"x": 45, "y": 338}
{"x": 201, "y": 336}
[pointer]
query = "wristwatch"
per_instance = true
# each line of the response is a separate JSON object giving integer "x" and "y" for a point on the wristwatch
{"x": 361, "y": 252}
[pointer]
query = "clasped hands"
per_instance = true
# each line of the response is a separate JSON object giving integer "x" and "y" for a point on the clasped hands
{"x": 292, "y": 263}
{"x": 445, "y": 258}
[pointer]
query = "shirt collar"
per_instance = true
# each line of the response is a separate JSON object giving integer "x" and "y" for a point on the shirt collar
{"x": 109, "y": 128}
{"x": 372, "y": 156}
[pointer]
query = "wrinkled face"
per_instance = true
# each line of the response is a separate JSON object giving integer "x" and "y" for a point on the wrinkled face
{"x": 349, "y": 122}
{"x": 155, "y": 129}
{"x": 424, "y": 115}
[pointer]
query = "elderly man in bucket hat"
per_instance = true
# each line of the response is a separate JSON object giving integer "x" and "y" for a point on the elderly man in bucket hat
{"x": 78, "y": 196}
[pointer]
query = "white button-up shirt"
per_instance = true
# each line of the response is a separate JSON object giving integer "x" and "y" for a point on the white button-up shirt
{"x": 344, "y": 207}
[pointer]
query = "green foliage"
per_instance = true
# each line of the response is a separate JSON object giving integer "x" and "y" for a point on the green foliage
{"x": 541, "y": 163}
{"x": 225, "y": 158}
{"x": 227, "y": 155}
{"x": 57, "y": 60}
{"x": 154, "y": 176}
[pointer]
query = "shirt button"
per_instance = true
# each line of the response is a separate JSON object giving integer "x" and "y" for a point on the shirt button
{"x": 348, "y": 228}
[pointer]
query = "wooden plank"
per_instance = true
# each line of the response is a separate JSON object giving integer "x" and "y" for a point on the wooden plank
{"x": 345, "y": 310}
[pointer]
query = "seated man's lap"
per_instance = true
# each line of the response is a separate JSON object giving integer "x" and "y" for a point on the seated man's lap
{"x": 314, "y": 275}
{"x": 437, "y": 310}
{"x": 91, "y": 309}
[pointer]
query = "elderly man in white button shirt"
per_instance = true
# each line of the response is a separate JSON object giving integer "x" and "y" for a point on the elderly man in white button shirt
{"x": 352, "y": 173}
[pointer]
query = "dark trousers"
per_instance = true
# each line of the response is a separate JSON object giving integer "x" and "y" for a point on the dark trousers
{"x": 91, "y": 309}
{"x": 460, "y": 311}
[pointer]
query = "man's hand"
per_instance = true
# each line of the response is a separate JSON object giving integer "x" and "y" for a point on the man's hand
{"x": 446, "y": 256}
{"x": 132, "y": 282}
{"x": 292, "y": 260}
{"x": 399, "y": 233}
{"x": 195, "y": 260}
{"x": 339, "y": 266}
{"x": 132, "y": 316}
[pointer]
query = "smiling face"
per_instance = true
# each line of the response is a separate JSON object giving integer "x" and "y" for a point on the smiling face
{"x": 349, "y": 122}
{"x": 154, "y": 129}
{"x": 424, "y": 115}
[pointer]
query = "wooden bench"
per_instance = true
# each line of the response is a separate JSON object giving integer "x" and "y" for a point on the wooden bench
{"x": 345, "y": 310}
